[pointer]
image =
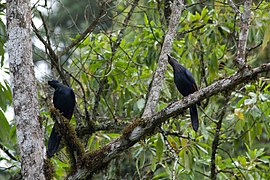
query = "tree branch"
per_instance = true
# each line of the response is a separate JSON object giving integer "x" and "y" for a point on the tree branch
{"x": 215, "y": 142}
{"x": 140, "y": 128}
{"x": 125, "y": 24}
{"x": 74, "y": 146}
{"x": 153, "y": 94}
{"x": 240, "y": 60}
{"x": 53, "y": 56}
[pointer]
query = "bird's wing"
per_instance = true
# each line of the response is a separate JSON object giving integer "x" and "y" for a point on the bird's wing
{"x": 64, "y": 101}
{"x": 191, "y": 79}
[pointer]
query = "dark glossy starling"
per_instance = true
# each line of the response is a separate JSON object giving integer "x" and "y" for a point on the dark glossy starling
{"x": 186, "y": 85}
{"x": 64, "y": 101}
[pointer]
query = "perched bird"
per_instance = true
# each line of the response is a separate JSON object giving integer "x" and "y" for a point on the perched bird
{"x": 186, "y": 85}
{"x": 64, "y": 101}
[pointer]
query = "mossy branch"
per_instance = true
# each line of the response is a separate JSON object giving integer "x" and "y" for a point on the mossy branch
{"x": 75, "y": 148}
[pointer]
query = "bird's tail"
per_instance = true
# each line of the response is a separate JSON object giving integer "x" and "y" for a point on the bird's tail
{"x": 54, "y": 141}
{"x": 194, "y": 117}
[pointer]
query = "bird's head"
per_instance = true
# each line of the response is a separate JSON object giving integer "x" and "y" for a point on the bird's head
{"x": 174, "y": 63}
{"x": 54, "y": 83}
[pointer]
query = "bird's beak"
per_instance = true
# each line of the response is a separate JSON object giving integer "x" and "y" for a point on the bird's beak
{"x": 169, "y": 57}
{"x": 170, "y": 60}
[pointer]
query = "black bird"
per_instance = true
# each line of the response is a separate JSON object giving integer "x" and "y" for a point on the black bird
{"x": 186, "y": 85}
{"x": 64, "y": 101}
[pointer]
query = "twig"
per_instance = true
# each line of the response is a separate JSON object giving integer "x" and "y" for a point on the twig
{"x": 84, "y": 34}
{"x": 125, "y": 24}
{"x": 234, "y": 7}
{"x": 191, "y": 30}
{"x": 235, "y": 165}
{"x": 87, "y": 116}
{"x": 97, "y": 97}
{"x": 51, "y": 53}
{"x": 7, "y": 152}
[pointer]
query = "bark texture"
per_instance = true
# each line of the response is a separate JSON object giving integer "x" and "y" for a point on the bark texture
{"x": 157, "y": 81}
{"x": 240, "y": 60}
{"x": 29, "y": 130}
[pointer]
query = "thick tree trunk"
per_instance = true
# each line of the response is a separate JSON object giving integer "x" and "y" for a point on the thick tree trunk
{"x": 29, "y": 130}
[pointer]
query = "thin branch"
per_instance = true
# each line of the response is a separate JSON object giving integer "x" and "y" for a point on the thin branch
{"x": 45, "y": 28}
{"x": 191, "y": 30}
{"x": 215, "y": 142}
{"x": 203, "y": 72}
{"x": 125, "y": 24}
{"x": 235, "y": 165}
{"x": 87, "y": 116}
{"x": 254, "y": 47}
{"x": 140, "y": 128}
{"x": 174, "y": 153}
{"x": 51, "y": 52}
{"x": 234, "y": 7}
{"x": 8, "y": 153}
{"x": 151, "y": 28}
{"x": 84, "y": 34}
{"x": 54, "y": 58}
{"x": 97, "y": 97}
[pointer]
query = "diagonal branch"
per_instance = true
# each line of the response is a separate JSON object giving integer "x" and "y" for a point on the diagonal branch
{"x": 125, "y": 24}
{"x": 140, "y": 128}
{"x": 3, "y": 148}
{"x": 153, "y": 94}
{"x": 47, "y": 45}
{"x": 51, "y": 52}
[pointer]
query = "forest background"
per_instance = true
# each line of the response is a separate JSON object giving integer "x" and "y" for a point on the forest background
{"x": 130, "y": 120}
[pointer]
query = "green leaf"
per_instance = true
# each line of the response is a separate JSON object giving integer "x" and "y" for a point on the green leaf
{"x": 266, "y": 87}
{"x": 159, "y": 148}
{"x": 266, "y": 38}
{"x": 145, "y": 18}
{"x": 204, "y": 11}
{"x": 5, "y": 128}
{"x": 3, "y": 39}
{"x": 255, "y": 112}
{"x": 202, "y": 149}
{"x": 197, "y": 15}
{"x": 225, "y": 28}
{"x": 264, "y": 97}
{"x": 213, "y": 65}
{"x": 142, "y": 159}
{"x": 140, "y": 104}
{"x": 187, "y": 161}
{"x": 251, "y": 101}
{"x": 242, "y": 160}
{"x": 113, "y": 135}
{"x": 154, "y": 164}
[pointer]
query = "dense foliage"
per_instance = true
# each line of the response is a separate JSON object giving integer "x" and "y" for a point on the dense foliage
{"x": 112, "y": 68}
